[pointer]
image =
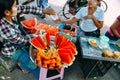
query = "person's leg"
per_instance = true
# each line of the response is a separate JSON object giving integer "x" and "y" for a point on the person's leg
{"x": 110, "y": 37}
{"x": 26, "y": 63}
{"x": 35, "y": 71}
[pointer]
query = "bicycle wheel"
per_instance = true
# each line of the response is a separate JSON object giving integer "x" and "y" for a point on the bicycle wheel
{"x": 103, "y": 5}
{"x": 66, "y": 11}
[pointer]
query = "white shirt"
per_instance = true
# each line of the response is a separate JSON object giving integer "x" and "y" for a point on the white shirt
{"x": 88, "y": 24}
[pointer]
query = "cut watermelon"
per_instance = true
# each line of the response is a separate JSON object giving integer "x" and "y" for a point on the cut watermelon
{"x": 30, "y": 23}
{"x": 72, "y": 49}
{"x": 47, "y": 39}
{"x": 52, "y": 31}
{"x": 36, "y": 43}
{"x": 41, "y": 26}
{"x": 65, "y": 58}
{"x": 59, "y": 39}
{"x": 41, "y": 41}
{"x": 64, "y": 41}
{"x": 55, "y": 40}
{"x": 67, "y": 51}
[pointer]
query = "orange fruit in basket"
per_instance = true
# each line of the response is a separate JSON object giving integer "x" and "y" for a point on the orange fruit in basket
{"x": 93, "y": 43}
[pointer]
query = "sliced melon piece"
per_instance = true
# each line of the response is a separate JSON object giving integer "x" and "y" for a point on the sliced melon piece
{"x": 65, "y": 58}
{"x": 41, "y": 41}
{"x": 47, "y": 39}
{"x": 30, "y": 23}
{"x": 67, "y": 51}
{"x": 36, "y": 43}
{"x": 72, "y": 49}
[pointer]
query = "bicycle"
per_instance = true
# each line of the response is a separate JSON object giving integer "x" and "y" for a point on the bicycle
{"x": 69, "y": 9}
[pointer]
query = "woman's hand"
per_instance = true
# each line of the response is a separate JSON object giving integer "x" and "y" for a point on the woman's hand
{"x": 88, "y": 17}
{"x": 49, "y": 11}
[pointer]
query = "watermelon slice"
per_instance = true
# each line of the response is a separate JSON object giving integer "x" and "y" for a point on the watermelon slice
{"x": 41, "y": 41}
{"x": 47, "y": 39}
{"x": 55, "y": 40}
{"x": 72, "y": 49}
{"x": 52, "y": 31}
{"x": 59, "y": 39}
{"x": 36, "y": 43}
{"x": 30, "y": 23}
{"x": 64, "y": 41}
{"x": 67, "y": 51}
{"x": 41, "y": 26}
{"x": 65, "y": 58}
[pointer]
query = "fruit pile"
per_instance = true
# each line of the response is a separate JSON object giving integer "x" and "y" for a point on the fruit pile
{"x": 61, "y": 52}
{"x": 31, "y": 26}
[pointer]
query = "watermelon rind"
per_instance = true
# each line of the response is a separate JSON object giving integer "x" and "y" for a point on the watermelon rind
{"x": 28, "y": 21}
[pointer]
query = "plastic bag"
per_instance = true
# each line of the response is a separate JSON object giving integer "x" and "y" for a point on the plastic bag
{"x": 8, "y": 63}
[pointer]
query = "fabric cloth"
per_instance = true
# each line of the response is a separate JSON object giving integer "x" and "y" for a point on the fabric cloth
{"x": 29, "y": 9}
{"x": 110, "y": 34}
{"x": 16, "y": 42}
{"x": 10, "y": 33}
{"x": 88, "y": 25}
{"x": 42, "y": 3}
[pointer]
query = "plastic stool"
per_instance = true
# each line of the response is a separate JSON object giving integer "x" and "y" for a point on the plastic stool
{"x": 43, "y": 74}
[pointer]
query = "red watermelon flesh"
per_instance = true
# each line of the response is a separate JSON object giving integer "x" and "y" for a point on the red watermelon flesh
{"x": 55, "y": 40}
{"x": 36, "y": 43}
{"x": 41, "y": 41}
{"x": 47, "y": 36}
{"x": 30, "y": 23}
{"x": 72, "y": 49}
{"x": 67, "y": 51}
{"x": 52, "y": 31}
{"x": 59, "y": 39}
{"x": 65, "y": 58}
{"x": 64, "y": 41}
{"x": 33, "y": 31}
{"x": 69, "y": 43}
{"x": 41, "y": 26}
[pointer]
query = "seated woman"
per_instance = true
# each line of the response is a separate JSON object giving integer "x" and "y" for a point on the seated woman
{"x": 92, "y": 18}
{"x": 114, "y": 31}
{"x": 15, "y": 41}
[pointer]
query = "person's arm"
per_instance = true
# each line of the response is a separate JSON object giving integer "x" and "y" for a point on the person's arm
{"x": 34, "y": 10}
{"x": 72, "y": 19}
{"x": 98, "y": 24}
{"x": 113, "y": 28}
{"x": 69, "y": 21}
{"x": 11, "y": 34}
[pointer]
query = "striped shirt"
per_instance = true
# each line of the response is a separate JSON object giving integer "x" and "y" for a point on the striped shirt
{"x": 11, "y": 34}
